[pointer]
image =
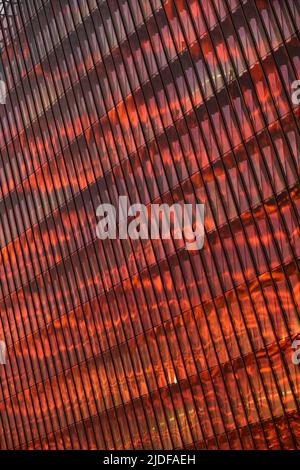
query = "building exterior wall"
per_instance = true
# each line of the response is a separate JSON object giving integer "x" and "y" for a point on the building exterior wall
{"x": 141, "y": 344}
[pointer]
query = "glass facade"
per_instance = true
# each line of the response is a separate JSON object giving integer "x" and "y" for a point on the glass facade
{"x": 141, "y": 344}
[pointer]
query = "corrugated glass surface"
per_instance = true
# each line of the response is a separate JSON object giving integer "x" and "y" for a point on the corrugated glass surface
{"x": 141, "y": 344}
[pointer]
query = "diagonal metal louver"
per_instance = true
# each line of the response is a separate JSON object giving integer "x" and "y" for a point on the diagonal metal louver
{"x": 141, "y": 344}
{"x": 7, "y": 11}
{"x": 7, "y": 8}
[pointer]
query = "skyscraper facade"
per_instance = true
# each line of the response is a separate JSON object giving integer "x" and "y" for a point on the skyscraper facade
{"x": 142, "y": 344}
